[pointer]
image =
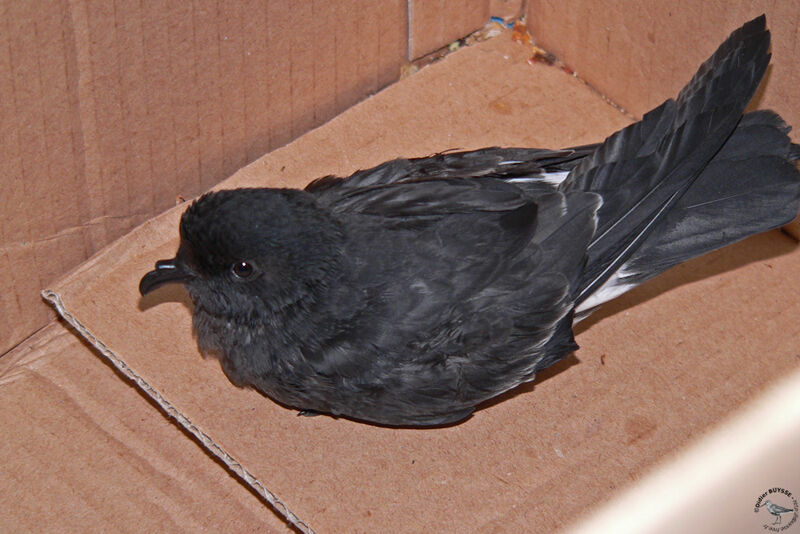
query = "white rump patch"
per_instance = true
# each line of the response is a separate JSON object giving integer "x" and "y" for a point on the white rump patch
{"x": 611, "y": 289}
{"x": 552, "y": 178}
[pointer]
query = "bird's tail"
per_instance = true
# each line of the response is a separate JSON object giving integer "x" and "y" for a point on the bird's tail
{"x": 752, "y": 185}
{"x": 680, "y": 182}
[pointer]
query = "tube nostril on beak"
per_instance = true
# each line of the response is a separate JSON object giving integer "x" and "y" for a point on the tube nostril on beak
{"x": 166, "y": 272}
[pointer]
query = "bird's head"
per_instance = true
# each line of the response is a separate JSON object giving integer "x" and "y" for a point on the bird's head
{"x": 250, "y": 251}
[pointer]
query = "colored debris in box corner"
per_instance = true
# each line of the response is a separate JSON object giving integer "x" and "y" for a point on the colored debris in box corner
{"x": 494, "y": 27}
{"x": 540, "y": 55}
{"x": 407, "y": 69}
{"x": 503, "y": 23}
{"x": 520, "y": 34}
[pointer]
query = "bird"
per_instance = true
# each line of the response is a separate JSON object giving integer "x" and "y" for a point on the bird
{"x": 409, "y": 293}
{"x": 777, "y": 510}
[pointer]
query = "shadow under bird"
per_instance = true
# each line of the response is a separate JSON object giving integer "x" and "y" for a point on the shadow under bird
{"x": 411, "y": 292}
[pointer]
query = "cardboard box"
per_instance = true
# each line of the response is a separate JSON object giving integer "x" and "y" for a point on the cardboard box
{"x": 111, "y": 112}
{"x": 83, "y": 451}
{"x": 658, "y": 368}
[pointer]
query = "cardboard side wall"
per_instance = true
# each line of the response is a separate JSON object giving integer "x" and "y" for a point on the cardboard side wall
{"x": 641, "y": 54}
{"x": 434, "y": 23}
{"x": 112, "y": 110}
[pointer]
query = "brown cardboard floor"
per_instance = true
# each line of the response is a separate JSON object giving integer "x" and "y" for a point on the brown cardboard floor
{"x": 85, "y": 451}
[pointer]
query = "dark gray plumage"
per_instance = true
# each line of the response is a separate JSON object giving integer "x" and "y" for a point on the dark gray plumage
{"x": 409, "y": 293}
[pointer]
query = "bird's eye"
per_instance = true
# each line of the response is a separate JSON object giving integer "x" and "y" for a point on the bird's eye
{"x": 242, "y": 269}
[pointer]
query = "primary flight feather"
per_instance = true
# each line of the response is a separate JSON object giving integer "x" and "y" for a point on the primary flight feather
{"x": 411, "y": 292}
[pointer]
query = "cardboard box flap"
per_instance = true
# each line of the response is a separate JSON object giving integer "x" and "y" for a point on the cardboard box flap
{"x": 211, "y": 446}
{"x": 657, "y": 366}
{"x": 84, "y": 451}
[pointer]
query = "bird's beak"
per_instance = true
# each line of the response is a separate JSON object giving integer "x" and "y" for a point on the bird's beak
{"x": 166, "y": 272}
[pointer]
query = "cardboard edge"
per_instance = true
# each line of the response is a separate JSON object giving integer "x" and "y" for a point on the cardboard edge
{"x": 233, "y": 465}
{"x": 793, "y": 229}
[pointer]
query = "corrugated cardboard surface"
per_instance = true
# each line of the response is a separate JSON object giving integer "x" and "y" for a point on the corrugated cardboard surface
{"x": 110, "y": 110}
{"x": 658, "y": 367}
{"x": 435, "y": 23}
{"x": 83, "y": 451}
{"x": 643, "y": 52}
{"x": 507, "y": 9}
